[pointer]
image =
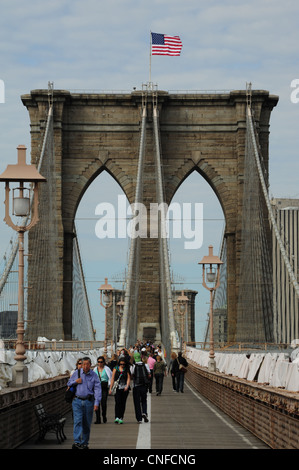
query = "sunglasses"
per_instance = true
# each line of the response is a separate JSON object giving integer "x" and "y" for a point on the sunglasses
{"x": 122, "y": 364}
{"x": 79, "y": 363}
{"x": 100, "y": 362}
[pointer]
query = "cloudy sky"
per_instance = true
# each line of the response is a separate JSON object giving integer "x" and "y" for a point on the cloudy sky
{"x": 97, "y": 45}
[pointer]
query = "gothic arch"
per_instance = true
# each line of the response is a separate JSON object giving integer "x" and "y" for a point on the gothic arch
{"x": 77, "y": 188}
{"x": 96, "y": 132}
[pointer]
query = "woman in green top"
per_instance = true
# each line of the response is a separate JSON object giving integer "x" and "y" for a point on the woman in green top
{"x": 159, "y": 372}
{"x": 104, "y": 372}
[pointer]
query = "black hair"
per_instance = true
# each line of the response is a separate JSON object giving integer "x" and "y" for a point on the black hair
{"x": 86, "y": 359}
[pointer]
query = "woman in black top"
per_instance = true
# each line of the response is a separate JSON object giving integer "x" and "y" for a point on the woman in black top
{"x": 121, "y": 371}
{"x": 177, "y": 373}
{"x": 113, "y": 362}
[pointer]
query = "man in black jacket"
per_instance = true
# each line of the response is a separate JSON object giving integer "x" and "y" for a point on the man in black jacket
{"x": 141, "y": 377}
{"x": 178, "y": 372}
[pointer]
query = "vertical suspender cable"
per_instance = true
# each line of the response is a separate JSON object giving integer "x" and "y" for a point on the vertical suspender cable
{"x": 162, "y": 234}
{"x": 272, "y": 218}
{"x": 138, "y": 194}
{"x": 84, "y": 306}
{"x": 25, "y": 220}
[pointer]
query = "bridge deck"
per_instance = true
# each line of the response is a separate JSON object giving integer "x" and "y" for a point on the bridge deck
{"x": 177, "y": 421}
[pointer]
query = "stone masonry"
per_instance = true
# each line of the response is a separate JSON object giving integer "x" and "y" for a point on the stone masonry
{"x": 97, "y": 132}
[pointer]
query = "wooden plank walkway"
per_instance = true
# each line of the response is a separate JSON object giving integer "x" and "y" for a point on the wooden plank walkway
{"x": 176, "y": 421}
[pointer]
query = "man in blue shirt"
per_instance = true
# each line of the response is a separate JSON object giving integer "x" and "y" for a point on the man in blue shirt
{"x": 86, "y": 401}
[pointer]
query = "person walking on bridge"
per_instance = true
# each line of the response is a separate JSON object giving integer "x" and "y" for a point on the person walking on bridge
{"x": 78, "y": 366}
{"x": 172, "y": 359}
{"x": 178, "y": 373}
{"x": 140, "y": 372}
{"x": 151, "y": 362}
{"x": 121, "y": 373}
{"x": 104, "y": 373}
{"x": 159, "y": 372}
{"x": 86, "y": 401}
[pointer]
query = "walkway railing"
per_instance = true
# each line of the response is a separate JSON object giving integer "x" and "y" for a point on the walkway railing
{"x": 238, "y": 346}
{"x": 126, "y": 92}
{"x": 56, "y": 345}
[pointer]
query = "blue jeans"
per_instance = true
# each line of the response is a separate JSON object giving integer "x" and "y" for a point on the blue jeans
{"x": 180, "y": 381}
{"x": 82, "y": 415}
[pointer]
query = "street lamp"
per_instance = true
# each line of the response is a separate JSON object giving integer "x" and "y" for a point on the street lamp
{"x": 182, "y": 302}
{"x": 23, "y": 206}
{"x": 106, "y": 297}
{"x": 120, "y": 311}
{"x": 211, "y": 276}
{"x": 120, "y": 304}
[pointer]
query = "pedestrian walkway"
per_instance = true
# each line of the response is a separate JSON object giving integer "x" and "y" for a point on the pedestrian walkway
{"x": 176, "y": 421}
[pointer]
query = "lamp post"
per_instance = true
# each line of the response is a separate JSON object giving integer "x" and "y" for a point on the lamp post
{"x": 120, "y": 310}
{"x": 182, "y": 302}
{"x": 21, "y": 173}
{"x": 212, "y": 276}
{"x": 106, "y": 296}
{"x": 120, "y": 305}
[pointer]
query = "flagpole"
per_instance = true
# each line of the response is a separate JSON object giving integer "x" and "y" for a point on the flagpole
{"x": 150, "y": 59}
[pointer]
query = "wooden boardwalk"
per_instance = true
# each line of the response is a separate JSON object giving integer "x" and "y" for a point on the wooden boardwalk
{"x": 176, "y": 421}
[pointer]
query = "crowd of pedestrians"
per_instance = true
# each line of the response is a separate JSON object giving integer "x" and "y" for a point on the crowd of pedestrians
{"x": 139, "y": 368}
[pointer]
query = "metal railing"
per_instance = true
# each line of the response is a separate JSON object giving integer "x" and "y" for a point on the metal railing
{"x": 56, "y": 345}
{"x": 199, "y": 92}
{"x": 238, "y": 346}
{"x": 126, "y": 92}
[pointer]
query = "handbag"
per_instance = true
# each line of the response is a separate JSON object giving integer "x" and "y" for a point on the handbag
{"x": 115, "y": 386}
{"x": 182, "y": 368}
{"x": 71, "y": 391}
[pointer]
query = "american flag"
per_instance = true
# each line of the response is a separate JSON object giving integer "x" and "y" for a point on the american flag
{"x": 162, "y": 44}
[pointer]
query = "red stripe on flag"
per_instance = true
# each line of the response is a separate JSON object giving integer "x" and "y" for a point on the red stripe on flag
{"x": 172, "y": 46}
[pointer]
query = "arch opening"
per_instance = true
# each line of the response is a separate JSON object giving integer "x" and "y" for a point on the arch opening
{"x": 100, "y": 217}
{"x": 202, "y": 220}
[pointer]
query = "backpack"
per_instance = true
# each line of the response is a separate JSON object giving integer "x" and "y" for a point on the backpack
{"x": 140, "y": 375}
{"x": 71, "y": 391}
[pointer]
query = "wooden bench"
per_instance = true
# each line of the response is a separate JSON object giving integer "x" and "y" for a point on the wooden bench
{"x": 49, "y": 423}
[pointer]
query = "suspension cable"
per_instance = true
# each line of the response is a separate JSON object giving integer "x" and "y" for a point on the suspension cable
{"x": 138, "y": 194}
{"x": 272, "y": 218}
{"x": 14, "y": 249}
{"x": 161, "y": 200}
